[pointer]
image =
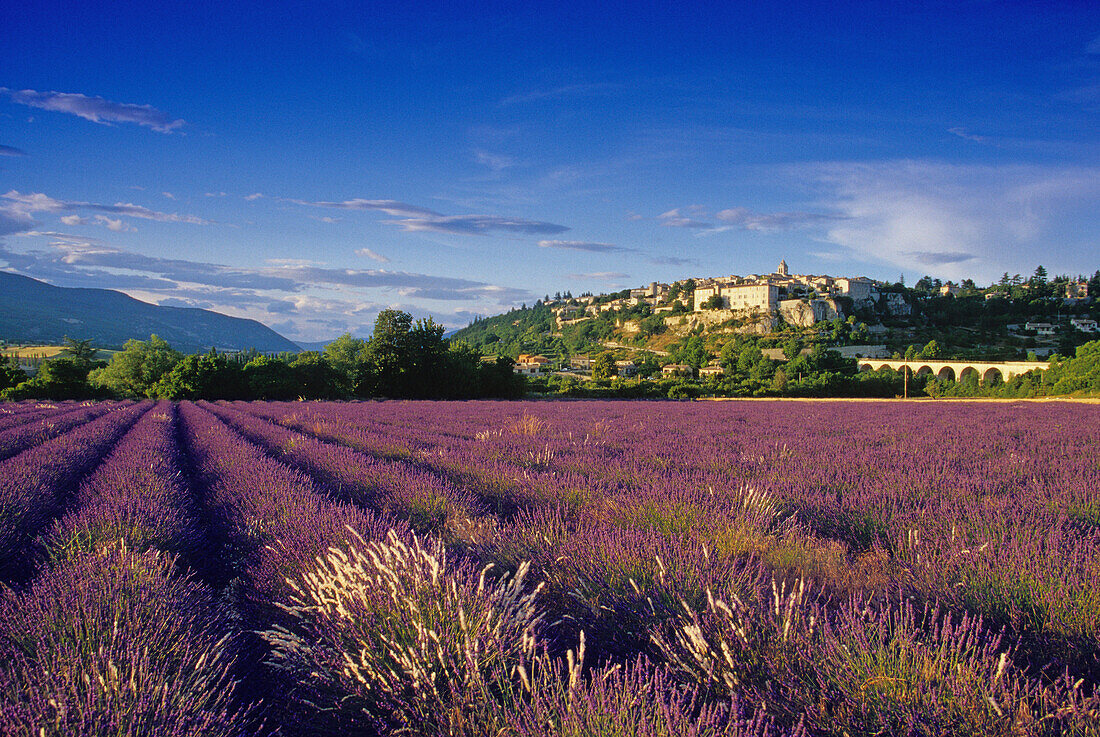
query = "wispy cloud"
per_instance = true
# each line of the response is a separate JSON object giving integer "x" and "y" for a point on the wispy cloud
{"x": 568, "y": 90}
{"x": 685, "y": 217}
{"x": 965, "y": 134}
{"x": 673, "y": 261}
{"x": 697, "y": 217}
{"x": 11, "y": 151}
{"x": 968, "y": 220}
{"x": 254, "y": 196}
{"x": 940, "y": 258}
{"x": 38, "y": 202}
{"x": 496, "y": 162}
{"x": 419, "y": 219}
{"x": 478, "y": 225}
{"x": 610, "y": 277}
{"x": 15, "y": 221}
{"x": 72, "y": 257}
{"x": 389, "y": 207}
{"x": 367, "y": 253}
{"x": 746, "y": 219}
{"x": 584, "y": 246}
{"x": 96, "y": 109}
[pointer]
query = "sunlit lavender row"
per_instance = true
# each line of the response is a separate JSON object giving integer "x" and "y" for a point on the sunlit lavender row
{"x": 584, "y": 568}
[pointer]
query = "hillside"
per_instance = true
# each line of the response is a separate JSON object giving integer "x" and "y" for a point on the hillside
{"x": 989, "y": 324}
{"x": 32, "y": 311}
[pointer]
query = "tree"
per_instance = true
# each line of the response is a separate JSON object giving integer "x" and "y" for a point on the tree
{"x": 11, "y": 374}
{"x": 603, "y": 367}
{"x": 80, "y": 351}
{"x": 427, "y": 372}
{"x": 792, "y": 348}
{"x": 269, "y": 378}
{"x": 713, "y": 302}
{"x": 317, "y": 379}
{"x": 63, "y": 377}
{"x": 387, "y": 355}
{"x": 209, "y": 376}
{"x": 135, "y": 370}
{"x": 347, "y": 355}
{"x": 930, "y": 350}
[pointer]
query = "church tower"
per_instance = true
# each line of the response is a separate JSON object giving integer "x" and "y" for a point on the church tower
{"x": 782, "y": 270}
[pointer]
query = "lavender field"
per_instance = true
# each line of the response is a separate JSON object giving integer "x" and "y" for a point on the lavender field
{"x": 538, "y": 569}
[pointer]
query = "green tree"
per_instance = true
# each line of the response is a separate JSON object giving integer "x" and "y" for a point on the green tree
{"x": 713, "y": 302}
{"x": 347, "y": 355}
{"x": 427, "y": 373}
{"x": 135, "y": 370}
{"x": 603, "y": 367}
{"x": 317, "y": 379}
{"x": 387, "y": 356}
{"x": 63, "y": 377}
{"x": 931, "y": 350}
{"x": 11, "y": 374}
{"x": 209, "y": 376}
{"x": 81, "y": 351}
{"x": 269, "y": 378}
{"x": 792, "y": 348}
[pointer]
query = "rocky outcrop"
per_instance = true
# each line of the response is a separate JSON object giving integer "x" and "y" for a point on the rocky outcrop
{"x": 894, "y": 304}
{"x": 806, "y": 313}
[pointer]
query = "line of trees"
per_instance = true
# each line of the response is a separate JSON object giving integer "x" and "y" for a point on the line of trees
{"x": 402, "y": 359}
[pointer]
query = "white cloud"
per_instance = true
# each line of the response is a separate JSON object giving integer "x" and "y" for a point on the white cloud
{"x": 254, "y": 196}
{"x": 965, "y": 220}
{"x": 583, "y": 246}
{"x": 420, "y": 219}
{"x": 367, "y": 253}
{"x": 610, "y": 277}
{"x": 38, "y": 202}
{"x": 116, "y": 225}
{"x": 15, "y": 221}
{"x": 76, "y": 220}
{"x": 96, "y": 109}
{"x": 496, "y": 162}
{"x": 964, "y": 133}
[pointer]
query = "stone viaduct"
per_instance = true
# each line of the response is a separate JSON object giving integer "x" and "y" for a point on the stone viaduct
{"x": 956, "y": 370}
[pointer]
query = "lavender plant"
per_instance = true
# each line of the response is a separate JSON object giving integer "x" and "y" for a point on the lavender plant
{"x": 116, "y": 643}
{"x": 439, "y": 649}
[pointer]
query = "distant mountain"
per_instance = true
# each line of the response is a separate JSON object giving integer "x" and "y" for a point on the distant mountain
{"x": 314, "y": 346}
{"x": 32, "y": 311}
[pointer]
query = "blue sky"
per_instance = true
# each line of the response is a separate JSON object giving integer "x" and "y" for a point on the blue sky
{"x": 310, "y": 164}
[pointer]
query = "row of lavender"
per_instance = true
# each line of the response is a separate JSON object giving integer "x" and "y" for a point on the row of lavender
{"x": 110, "y": 634}
{"x": 647, "y": 549}
{"x": 638, "y": 515}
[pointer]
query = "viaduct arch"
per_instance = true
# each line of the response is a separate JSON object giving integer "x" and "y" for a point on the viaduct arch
{"x": 957, "y": 370}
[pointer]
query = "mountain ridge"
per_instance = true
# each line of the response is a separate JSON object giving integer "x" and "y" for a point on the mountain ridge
{"x": 34, "y": 311}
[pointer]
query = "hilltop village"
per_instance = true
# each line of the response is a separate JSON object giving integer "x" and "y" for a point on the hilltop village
{"x": 705, "y": 329}
{"x": 799, "y": 299}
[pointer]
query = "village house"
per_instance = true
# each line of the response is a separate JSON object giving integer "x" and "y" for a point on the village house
{"x": 1085, "y": 325}
{"x": 677, "y": 369}
{"x": 530, "y": 364}
{"x": 1040, "y": 328}
{"x": 626, "y": 368}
